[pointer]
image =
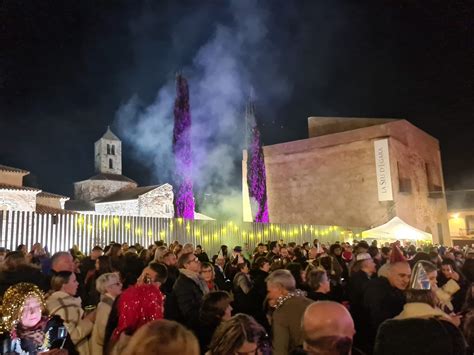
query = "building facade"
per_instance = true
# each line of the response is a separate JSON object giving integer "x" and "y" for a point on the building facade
{"x": 358, "y": 172}
{"x": 461, "y": 216}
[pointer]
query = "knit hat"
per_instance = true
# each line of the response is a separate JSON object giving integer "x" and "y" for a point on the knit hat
{"x": 137, "y": 306}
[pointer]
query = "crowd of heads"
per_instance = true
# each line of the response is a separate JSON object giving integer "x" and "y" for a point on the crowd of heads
{"x": 331, "y": 299}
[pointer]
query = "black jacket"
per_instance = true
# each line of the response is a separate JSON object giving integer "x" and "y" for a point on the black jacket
{"x": 419, "y": 336}
{"x": 183, "y": 304}
{"x": 173, "y": 274}
{"x": 221, "y": 280}
{"x": 56, "y": 336}
{"x": 381, "y": 301}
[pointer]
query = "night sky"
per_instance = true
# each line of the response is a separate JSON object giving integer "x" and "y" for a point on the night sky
{"x": 66, "y": 67}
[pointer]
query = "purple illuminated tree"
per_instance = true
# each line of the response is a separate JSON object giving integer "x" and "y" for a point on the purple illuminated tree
{"x": 184, "y": 199}
{"x": 256, "y": 177}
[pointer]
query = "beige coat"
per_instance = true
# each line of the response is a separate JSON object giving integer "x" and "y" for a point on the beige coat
{"x": 69, "y": 309}
{"x": 421, "y": 310}
{"x": 286, "y": 325}
{"x": 103, "y": 310}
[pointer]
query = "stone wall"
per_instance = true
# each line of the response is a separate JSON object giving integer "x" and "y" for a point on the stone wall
{"x": 18, "y": 200}
{"x": 157, "y": 203}
{"x": 102, "y": 158}
{"x": 331, "y": 180}
{"x": 120, "y": 208}
{"x": 93, "y": 190}
{"x": 10, "y": 178}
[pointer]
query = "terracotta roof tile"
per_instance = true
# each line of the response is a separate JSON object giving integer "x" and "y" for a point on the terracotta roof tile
{"x": 128, "y": 194}
{"x": 112, "y": 177}
{"x": 19, "y": 188}
{"x": 51, "y": 195}
{"x": 50, "y": 210}
{"x": 13, "y": 170}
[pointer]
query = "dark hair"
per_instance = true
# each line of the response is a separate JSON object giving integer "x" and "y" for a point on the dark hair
{"x": 214, "y": 305}
{"x": 59, "y": 279}
{"x": 295, "y": 269}
{"x": 373, "y": 251}
{"x": 242, "y": 265}
{"x": 19, "y": 247}
{"x": 114, "y": 250}
{"x": 104, "y": 264}
{"x": 14, "y": 260}
{"x": 161, "y": 271}
{"x": 230, "y": 335}
{"x": 207, "y": 265}
{"x": 260, "y": 261}
{"x": 272, "y": 245}
{"x": 333, "y": 248}
{"x": 421, "y": 296}
{"x": 385, "y": 250}
{"x": 183, "y": 259}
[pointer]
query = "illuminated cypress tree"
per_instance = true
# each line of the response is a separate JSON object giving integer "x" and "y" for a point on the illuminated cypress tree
{"x": 184, "y": 199}
{"x": 256, "y": 177}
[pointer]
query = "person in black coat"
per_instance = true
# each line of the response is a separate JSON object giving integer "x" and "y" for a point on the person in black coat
{"x": 184, "y": 302}
{"x": 319, "y": 285}
{"x": 258, "y": 293}
{"x": 214, "y": 310}
{"x": 221, "y": 279}
{"x": 169, "y": 259}
{"x": 384, "y": 299}
{"x": 417, "y": 336}
{"x": 362, "y": 271}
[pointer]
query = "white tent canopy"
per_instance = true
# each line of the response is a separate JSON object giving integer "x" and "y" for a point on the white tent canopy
{"x": 396, "y": 229}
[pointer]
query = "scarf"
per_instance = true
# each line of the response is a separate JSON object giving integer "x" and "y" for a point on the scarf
{"x": 197, "y": 279}
{"x": 282, "y": 299}
{"x": 31, "y": 338}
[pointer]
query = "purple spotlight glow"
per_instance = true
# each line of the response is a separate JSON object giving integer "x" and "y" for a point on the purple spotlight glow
{"x": 256, "y": 176}
{"x": 184, "y": 199}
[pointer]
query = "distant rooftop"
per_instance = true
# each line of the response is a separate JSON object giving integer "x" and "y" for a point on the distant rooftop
{"x": 129, "y": 194}
{"x": 13, "y": 170}
{"x": 110, "y": 135}
{"x": 321, "y": 126}
{"x": 112, "y": 177}
{"x": 18, "y": 188}
{"x": 51, "y": 195}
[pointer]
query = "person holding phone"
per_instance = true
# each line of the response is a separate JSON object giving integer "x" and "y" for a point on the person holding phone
{"x": 452, "y": 282}
{"x": 26, "y": 329}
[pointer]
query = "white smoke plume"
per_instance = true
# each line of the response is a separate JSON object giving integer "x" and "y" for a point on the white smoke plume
{"x": 220, "y": 77}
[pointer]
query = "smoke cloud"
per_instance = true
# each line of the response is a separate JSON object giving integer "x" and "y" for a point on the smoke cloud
{"x": 236, "y": 57}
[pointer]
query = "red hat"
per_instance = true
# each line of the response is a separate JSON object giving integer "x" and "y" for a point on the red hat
{"x": 396, "y": 256}
{"x": 347, "y": 256}
{"x": 137, "y": 306}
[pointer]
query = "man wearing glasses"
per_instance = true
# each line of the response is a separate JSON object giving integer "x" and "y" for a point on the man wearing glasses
{"x": 184, "y": 302}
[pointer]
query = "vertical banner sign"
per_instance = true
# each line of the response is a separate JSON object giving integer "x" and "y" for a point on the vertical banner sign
{"x": 382, "y": 166}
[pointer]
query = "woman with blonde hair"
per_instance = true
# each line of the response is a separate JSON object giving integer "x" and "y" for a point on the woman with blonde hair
{"x": 63, "y": 303}
{"x": 163, "y": 337}
{"x": 109, "y": 287}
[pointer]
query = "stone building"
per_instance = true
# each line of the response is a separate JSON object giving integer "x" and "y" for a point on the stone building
{"x": 358, "y": 172}
{"x": 108, "y": 168}
{"x": 16, "y": 197}
{"x": 110, "y": 192}
{"x": 148, "y": 201}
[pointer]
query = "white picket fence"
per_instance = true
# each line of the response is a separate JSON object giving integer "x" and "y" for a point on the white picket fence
{"x": 62, "y": 231}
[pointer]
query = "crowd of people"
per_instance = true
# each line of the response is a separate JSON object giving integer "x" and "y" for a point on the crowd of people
{"x": 278, "y": 298}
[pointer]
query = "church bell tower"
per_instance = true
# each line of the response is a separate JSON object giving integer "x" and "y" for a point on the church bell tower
{"x": 108, "y": 154}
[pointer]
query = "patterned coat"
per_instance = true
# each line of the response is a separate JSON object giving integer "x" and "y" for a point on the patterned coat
{"x": 69, "y": 309}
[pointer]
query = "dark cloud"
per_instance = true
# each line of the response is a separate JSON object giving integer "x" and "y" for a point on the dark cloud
{"x": 67, "y": 67}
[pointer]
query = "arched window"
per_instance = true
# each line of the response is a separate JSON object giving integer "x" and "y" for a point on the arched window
{"x": 111, "y": 164}
{"x": 113, "y": 150}
{"x": 108, "y": 148}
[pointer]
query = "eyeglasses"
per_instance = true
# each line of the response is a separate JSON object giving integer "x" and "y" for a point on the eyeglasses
{"x": 195, "y": 260}
{"x": 115, "y": 284}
